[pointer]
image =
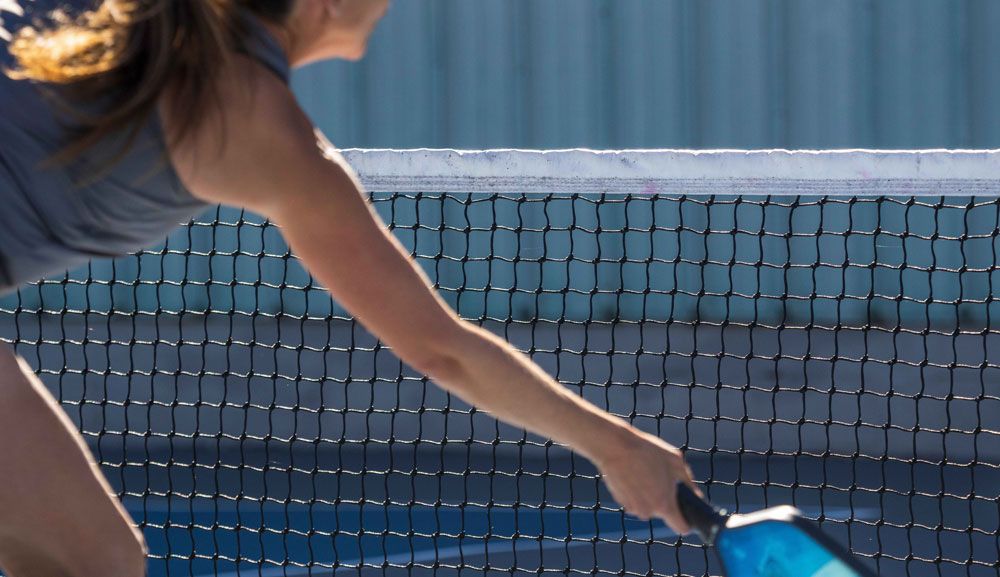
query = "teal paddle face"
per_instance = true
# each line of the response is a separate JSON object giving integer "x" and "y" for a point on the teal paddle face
{"x": 777, "y": 549}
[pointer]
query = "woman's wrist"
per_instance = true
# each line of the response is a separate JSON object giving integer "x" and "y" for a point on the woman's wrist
{"x": 611, "y": 440}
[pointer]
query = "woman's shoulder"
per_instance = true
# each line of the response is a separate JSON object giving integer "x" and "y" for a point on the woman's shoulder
{"x": 257, "y": 131}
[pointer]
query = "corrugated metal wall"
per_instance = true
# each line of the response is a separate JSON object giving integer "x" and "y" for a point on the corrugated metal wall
{"x": 669, "y": 73}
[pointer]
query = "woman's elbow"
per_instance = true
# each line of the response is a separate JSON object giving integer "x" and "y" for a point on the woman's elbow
{"x": 444, "y": 368}
{"x": 440, "y": 354}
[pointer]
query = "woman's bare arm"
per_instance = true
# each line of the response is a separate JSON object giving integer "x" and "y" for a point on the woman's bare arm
{"x": 268, "y": 161}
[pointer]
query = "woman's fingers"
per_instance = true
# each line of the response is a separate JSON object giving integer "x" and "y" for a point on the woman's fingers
{"x": 644, "y": 481}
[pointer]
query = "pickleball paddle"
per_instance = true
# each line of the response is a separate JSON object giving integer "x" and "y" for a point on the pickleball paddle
{"x": 774, "y": 542}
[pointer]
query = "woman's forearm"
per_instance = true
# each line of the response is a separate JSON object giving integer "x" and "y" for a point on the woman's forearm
{"x": 490, "y": 374}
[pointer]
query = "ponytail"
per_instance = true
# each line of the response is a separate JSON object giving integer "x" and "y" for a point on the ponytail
{"x": 133, "y": 51}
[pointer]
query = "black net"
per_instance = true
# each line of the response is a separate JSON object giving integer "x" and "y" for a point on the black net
{"x": 838, "y": 354}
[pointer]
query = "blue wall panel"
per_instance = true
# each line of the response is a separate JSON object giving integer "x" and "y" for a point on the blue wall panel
{"x": 669, "y": 73}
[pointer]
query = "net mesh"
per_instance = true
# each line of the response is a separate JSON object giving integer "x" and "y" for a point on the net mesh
{"x": 835, "y": 352}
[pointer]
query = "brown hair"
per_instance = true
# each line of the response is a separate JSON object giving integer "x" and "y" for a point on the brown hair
{"x": 132, "y": 51}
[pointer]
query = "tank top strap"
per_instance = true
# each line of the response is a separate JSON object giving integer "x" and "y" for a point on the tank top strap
{"x": 264, "y": 47}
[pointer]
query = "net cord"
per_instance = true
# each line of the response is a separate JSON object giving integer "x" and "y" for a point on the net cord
{"x": 687, "y": 172}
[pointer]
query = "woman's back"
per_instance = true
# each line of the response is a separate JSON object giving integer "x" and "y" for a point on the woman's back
{"x": 55, "y": 216}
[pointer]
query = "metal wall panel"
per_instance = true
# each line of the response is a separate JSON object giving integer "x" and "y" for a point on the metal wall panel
{"x": 668, "y": 73}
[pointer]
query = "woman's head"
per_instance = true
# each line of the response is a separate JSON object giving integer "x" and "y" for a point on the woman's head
{"x": 136, "y": 50}
{"x": 325, "y": 29}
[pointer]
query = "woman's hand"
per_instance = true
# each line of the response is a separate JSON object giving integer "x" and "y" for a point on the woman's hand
{"x": 642, "y": 476}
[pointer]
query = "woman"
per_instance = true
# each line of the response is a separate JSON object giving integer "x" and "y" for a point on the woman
{"x": 152, "y": 110}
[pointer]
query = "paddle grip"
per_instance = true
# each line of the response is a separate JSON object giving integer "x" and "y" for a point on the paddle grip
{"x": 704, "y": 518}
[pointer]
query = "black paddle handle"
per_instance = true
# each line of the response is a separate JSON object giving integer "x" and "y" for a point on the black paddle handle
{"x": 703, "y": 517}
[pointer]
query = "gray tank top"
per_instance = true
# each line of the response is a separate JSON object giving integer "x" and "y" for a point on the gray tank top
{"x": 53, "y": 219}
